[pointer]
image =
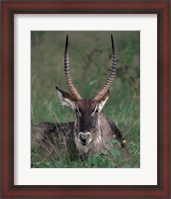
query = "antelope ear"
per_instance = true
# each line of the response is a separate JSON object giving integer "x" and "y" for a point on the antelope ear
{"x": 66, "y": 99}
{"x": 103, "y": 101}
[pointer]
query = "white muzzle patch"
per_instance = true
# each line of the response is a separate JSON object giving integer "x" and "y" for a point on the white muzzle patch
{"x": 84, "y": 138}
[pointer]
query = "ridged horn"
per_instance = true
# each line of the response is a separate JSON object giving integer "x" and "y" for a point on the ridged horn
{"x": 111, "y": 76}
{"x": 67, "y": 73}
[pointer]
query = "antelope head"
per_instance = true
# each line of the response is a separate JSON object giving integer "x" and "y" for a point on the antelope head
{"x": 87, "y": 111}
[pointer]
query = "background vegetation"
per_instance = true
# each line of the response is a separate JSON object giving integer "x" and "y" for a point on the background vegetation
{"x": 90, "y": 59}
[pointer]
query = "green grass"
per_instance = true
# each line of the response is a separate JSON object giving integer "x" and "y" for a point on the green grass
{"x": 90, "y": 58}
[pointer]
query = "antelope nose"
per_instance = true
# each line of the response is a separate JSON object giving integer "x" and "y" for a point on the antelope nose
{"x": 84, "y": 137}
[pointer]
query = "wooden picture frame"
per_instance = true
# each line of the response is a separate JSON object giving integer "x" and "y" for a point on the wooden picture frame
{"x": 11, "y": 7}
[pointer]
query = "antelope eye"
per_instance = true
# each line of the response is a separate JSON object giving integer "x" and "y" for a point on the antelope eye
{"x": 97, "y": 110}
{"x": 76, "y": 110}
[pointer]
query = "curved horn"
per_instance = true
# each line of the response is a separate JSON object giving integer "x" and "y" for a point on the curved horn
{"x": 111, "y": 76}
{"x": 67, "y": 73}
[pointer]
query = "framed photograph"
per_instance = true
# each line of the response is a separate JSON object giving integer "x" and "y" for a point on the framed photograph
{"x": 85, "y": 99}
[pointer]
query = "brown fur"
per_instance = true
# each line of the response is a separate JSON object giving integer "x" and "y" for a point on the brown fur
{"x": 66, "y": 136}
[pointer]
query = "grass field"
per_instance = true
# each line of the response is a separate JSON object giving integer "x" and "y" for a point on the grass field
{"x": 90, "y": 59}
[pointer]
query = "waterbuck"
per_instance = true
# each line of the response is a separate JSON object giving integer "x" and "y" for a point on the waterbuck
{"x": 91, "y": 132}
